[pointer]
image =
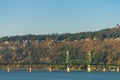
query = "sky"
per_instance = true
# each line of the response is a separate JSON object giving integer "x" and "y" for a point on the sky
{"x": 21, "y": 17}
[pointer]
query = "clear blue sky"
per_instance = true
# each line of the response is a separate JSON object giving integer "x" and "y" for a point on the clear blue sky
{"x": 20, "y": 17}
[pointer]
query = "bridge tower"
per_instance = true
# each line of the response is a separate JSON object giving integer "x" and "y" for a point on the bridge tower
{"x": 89, "y": 61}
{"x": 89, "y": 57}
{"x": 67, "y": 57}
{"x": 67, "y": 61}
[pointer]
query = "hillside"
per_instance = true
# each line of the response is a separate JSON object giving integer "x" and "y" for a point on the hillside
{"x": 103, "y": 44}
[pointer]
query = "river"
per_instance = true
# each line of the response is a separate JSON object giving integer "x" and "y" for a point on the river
{"x": 58, "y": 75}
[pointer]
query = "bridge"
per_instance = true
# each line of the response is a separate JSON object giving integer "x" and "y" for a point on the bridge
{"x": 61, "y": 66}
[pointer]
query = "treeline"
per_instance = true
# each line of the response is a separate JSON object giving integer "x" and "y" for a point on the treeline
{"x": 103, "y": 34}
{"x": 104, "y": 46}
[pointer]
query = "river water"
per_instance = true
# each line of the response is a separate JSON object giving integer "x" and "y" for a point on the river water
{"x": 58, "y": 75}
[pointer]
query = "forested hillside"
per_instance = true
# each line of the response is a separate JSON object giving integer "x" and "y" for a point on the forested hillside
{"x": 51, "y": 48}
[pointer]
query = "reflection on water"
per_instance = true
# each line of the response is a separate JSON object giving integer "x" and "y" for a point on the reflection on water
{"x": 58, "y": 75}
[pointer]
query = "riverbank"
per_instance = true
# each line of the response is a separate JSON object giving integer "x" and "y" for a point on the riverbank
{"x": 51, "y": 68}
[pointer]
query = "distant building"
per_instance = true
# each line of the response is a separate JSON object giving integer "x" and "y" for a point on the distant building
{"x": 87, "y": 39}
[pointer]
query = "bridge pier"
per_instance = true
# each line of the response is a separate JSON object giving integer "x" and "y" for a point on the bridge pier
{"x": 89, "y": 68}
{"x": 50, "y": 69}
